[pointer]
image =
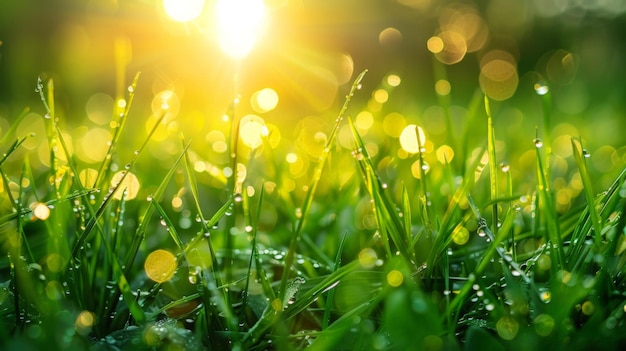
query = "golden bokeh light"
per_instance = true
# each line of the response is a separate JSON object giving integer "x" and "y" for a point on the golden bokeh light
{"x": 311, "y": 136}
{"x": 449, "y": 47}
{"x": 393, "y": 124}
{"x": 368, "y": 258}
{"x": 460, "y": 235}
{"x": 165, "y": 104}
{"x": 445, "y": 154}
{"x": 443, "y": 87}
{"x": 264, "y": 100}
{"x": 239, "y": 24}
{"x": 435, "y": 44}
{"x": 343, "y": 67}
{"x": 409, "y": 140}
{"x": 99, "y": 108}
{"x": 129, "y": 185}
{"x": 40, "y": 210}
{"x": 498, "y": 79}
{"x": 93, "y": 145}
{"x": 381, "y": 96}
{"x": 364, "y": 121}
{"x": 395, "y": 278}
{"x": 183, "y": 10}
{"x": 394, "y": 80}
{"x": 390, "y": 37}
{"x": 252, "y": 130}
{"x": 160, "y": 265}
{"x": 464, "y": 20}
{"x": 85, "y": 320}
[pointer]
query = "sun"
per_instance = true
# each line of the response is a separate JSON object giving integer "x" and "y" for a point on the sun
{"x": 239, "y": 24}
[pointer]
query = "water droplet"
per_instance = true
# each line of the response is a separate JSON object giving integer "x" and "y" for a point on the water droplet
{"x": 149, "y": 198}
{"x": 545, "y": 295}
{"x": 358, "y": 87}
{"x": 541, "y": 88}
{"x": 538, "y": 142}
{"x": 504, "y": 167}
{"x": 136, "y": 152}
{"x": 131, "y": 89}
{"x": 586, "y": 153}
{"x": 298, "y": 212}
{"x": 46, "y": 116}
{"x": 238, "y": 197}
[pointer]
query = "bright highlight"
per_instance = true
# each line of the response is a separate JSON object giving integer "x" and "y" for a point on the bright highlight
{"x": 409, "y": 141}
{"x": 183, "y": 10}
{"x": 239, "y": 23}
{"x": 160, "y": 266}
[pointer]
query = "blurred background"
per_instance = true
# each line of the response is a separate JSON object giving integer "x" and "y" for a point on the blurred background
{"x": 427, "y": 59}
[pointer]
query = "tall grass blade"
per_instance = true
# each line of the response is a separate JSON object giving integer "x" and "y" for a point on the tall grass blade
{"x": 493, "y": 165}
{"x": 317, "y": 174}
{"x": 596, "y": 224}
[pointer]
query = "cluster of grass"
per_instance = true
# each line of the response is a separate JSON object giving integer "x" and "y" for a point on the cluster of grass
{"x": 457, "y": 259}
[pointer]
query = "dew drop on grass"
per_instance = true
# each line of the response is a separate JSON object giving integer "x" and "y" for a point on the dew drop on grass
{"x": 538, "y": 142}
{"x": 504, "y": 167}
{"x": 586, "y": 153}
{"x": 541, "y": 88}
{"x": 545, "y": 295}
{"x": 238, "y": 197}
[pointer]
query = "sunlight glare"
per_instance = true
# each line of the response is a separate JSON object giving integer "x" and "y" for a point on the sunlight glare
{"x": 183, "y": 10}
{"x": 252, "y": 130}
{"x": 409, "y": 141}
{"x": 160, "y": 265}
{"x": 239, "y": 23}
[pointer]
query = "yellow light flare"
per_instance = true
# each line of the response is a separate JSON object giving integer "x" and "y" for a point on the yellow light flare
{"x": 393, "y": 124}
{"x": 460, "y": 235}
{"x": 443, "y": 87}
{"x": 368, "y": 258}
{"x": 88, "y": 177}
{"x": 364, "y": 121}
{"x": 85, "y": 320}
{"x": 130, "y": 184}
{"x": 394, "y": 80}
{"x": 165, "y": 104}
{"x": 264, "y": 100}
{"x": 239, "y": 23}
{"x": 395, "y": 278}
{"x": 408, "y": 138}
{"x": 445, "y": 154}
{"x": 183, "y": 10}
{"x": 41, "y": 211}
{"x": 381, "y": 96}
{"x": 160, "y": 265}
{"x": 252, "y": 129}
{"x": 498, "y": 79}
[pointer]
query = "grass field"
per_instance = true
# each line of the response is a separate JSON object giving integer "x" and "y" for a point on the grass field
{"x": 365, "y": 226}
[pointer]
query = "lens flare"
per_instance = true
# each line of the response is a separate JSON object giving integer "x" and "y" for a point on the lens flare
{"x": 252, "y": 130}
{"x": 160, "y": 265}
{"x": 239, "y": 23}
{"x": 183, "y": 10}
{"x": 409, "y": 141}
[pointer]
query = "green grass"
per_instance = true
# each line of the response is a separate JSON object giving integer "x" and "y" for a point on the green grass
{"x": 453, "y": 259}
